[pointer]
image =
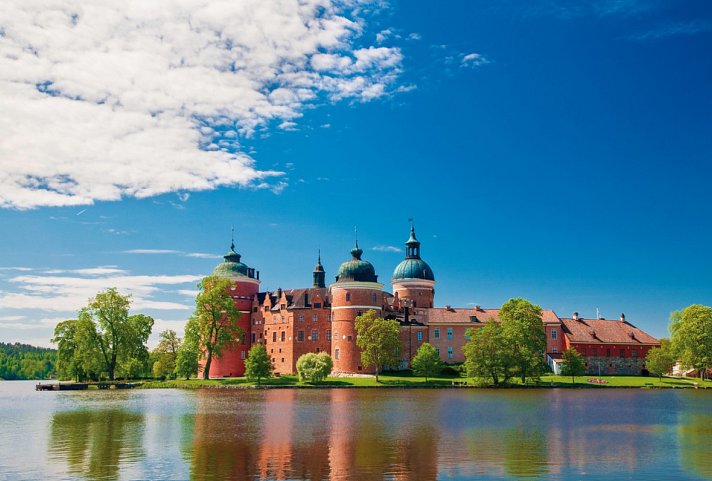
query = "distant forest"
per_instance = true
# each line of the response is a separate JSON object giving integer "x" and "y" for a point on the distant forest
{"x": 22, "y": 361}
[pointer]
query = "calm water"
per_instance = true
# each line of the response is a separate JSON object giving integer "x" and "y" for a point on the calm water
{"x": 354, "y": 434}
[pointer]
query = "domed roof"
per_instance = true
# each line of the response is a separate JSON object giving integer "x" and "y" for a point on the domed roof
{"x": 231, "y": 266}
{"x": 356, "y": 269}
{"x": 413, "y": 267}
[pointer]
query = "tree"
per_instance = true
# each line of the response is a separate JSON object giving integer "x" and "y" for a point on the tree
{"x": 258, "y": 364}
{"x": 314, "y": 368}
{"x": 378, "y": 340}
{"x": 426, "y": 361}
{"x": 166, "y": 353}
{"x": 523, "y": 331}
{"x": 216, "y": 319}
{"x": 573, "y": 364}
{"x": 692, "y": 337}
{"x": 189, "y": 351}
{"x": 660, "y": 360}
{"x": 104, "y": 338}
{"x": 487, "y": 353}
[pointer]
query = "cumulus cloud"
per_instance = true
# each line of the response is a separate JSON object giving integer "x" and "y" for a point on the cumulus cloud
{"x": 103, "y": 99}
{"x": 473, "y": 60}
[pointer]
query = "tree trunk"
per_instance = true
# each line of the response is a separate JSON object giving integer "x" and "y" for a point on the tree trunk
{"x": 208, "y": 361}
{"x": 573, "y": 380}
{"x": 376, "y": 373}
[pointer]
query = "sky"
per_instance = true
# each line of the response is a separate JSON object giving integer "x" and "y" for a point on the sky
{"x": 553, "y": 150}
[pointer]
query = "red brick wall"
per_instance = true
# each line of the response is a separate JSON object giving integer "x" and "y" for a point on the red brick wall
{"x": 557, "y": 344}
{"x": 456, "y": 342}
{"x": 344, "y": 352}
{"x": 422, "y": 296}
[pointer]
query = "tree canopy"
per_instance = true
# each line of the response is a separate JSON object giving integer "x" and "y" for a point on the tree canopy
{"x": 426, "y": 361}
{"x": 692, "y": 337}
{"x": 573, "y": 364}
{"x": 660, "y": 360}
{"x": 104, "y": 340}
{"x": 523, "y": 332}
{"x": 314, "y": 368}
{"x": 258, "y": 365}
{"x": 378, "y": 340}
{"x": 487, "y": 354}
{"x": 214, "y": 320}
{"x": 22, "y": 361}
{"x": 165, "y": 354}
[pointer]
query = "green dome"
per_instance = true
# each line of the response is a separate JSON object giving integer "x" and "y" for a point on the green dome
{"x": 232, "y": 266}
{"x": 356, "y": 269}
{"x": 413, "y": 269}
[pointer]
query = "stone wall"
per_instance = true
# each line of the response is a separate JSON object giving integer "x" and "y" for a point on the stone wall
{"x": 632, "y": 366}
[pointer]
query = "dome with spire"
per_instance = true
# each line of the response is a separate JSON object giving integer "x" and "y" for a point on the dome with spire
{"x": 231, "y": 266}
{"x": 413, "y": 267}
{"x": 356, "y": 269}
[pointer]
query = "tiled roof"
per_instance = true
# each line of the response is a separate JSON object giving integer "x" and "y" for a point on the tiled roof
{"x": 605, "y": 331}
{"x": 471, "y": 315}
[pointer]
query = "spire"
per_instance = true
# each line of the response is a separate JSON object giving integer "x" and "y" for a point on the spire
{"x": 232, "y": 238}
{"x": 356, "y": 251}
{"x": 412, "y": 245}
{"x": 319, "y": 274}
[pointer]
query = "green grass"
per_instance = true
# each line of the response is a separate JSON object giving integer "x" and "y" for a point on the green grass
{"x": 406, "y": 379}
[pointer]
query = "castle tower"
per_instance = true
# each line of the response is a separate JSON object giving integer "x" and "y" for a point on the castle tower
{"x": 355, "y": 291}
{"x": 413, "y": 280}
{"x": 319, "y": 274}
{"x": 246, "y": 283}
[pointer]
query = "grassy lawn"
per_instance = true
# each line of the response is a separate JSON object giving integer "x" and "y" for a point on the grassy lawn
{"x": 405, "y": 379}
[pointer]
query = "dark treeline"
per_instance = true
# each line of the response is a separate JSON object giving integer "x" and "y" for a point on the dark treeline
{"x": 22, "y": 361}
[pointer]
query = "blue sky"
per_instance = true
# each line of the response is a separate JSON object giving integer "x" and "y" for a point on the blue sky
{"x": 557, "y": 151}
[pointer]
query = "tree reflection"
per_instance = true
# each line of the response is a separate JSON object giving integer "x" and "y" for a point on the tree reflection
{"x": 695, "y": 438}
{"x": 95, "y": 443}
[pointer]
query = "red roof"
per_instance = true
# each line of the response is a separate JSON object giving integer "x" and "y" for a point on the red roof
{"x": 470, "y": 315}
{"x": 605, "y": 331}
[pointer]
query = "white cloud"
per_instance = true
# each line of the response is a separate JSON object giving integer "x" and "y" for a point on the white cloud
{"x": 11, "y": 318}
{"x": 69, "y": 294}
{"x": 386, "y": 249}
{"x": 203, "y": 255}
{"x": 103, "y": 99}
{"x": 473, "y": 60}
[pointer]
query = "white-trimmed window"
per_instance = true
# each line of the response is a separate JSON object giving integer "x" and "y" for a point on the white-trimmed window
{"x": 315, "y": 335}
{"x": 449, "y": 332}
{"x": 436, "y": 333}
{"x": 315, "y": 317}
{"x": 420, "y": 336}
{"x": 450, "y": 353}
{"x": 336, "y": 354}
{"x": 553, "y": 333}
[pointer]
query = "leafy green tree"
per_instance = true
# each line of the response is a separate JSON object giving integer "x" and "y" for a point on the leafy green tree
{"x": 216, "y": 319}
{"x": 523, "y": 331}
{"x": 314, "y": 368}
{"x": 258, "y": 365}
{"x": 189, "y": 351}
{"x": 692, "y": 337}
{"x": 660, "y": 360}
{"x": 487, "y": 353}
{"x": 104, "y": 338}
{"x": 22, "y": 361}
{"x": 426, "y": 361}
{"x": 573, "y": 364}
{"x": 166, "y": 353}
{"x": 378, "y": 340}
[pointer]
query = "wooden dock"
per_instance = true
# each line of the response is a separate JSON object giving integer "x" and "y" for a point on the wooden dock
{"x": 76, "y": 386}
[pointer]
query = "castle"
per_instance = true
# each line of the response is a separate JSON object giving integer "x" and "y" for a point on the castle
{"x": 321, "y": 319}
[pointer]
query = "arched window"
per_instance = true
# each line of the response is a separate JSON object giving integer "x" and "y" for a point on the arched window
{"x": 348, "y": 296}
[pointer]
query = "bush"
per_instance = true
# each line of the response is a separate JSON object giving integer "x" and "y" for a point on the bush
{"x": 451, "y": 370}
{"x": 314, "y": 368}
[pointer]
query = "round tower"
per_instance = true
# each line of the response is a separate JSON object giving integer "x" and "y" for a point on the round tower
{"x": 245, "y": 284}
{"x": 413, "y": 279}
{"x": 355, "y": 291}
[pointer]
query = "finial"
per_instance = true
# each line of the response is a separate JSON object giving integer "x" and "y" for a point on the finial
{"x": 319, "y": 258}
{"x": 232, "y": 238}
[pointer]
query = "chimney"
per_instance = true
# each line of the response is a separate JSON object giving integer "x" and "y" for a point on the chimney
{"x": 279, "y": 293}
{"x": 574, "y": 316}
{"x": 477, "y": 308}
{"x": 622, "y": 317}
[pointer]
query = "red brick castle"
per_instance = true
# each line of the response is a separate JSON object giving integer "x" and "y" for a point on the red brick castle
{"x": 321, "y": 319}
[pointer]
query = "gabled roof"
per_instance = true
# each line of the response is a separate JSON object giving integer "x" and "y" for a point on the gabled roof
{"x": 605, "y": 331}
{"x": 477, "y": 315}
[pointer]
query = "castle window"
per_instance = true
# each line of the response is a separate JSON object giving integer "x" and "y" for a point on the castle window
{"x": 315, "y": 335}
{"x": 283, "y": 306}
{"x": 317, "y": 305}
{"x": 328, "y": 334}
{"x": 254, "y": 309}
{"x": 608, "y": 353}
{"x": 583, "y": 351}
{"x": 254, "y": 337}
{"x": 359, "y": 313}
{"x": 315, "y": 317}
{"x": 349, "y": 338}
{"x": 282, "y": 359}
{"x": 373, "y": 297}
{"x": 283, "y": 319}
{"x": 436, "y": 333}
{"x": 437, "y": 349}
{"x": 633, "y": 353}
{"x": 348, "y": 296}
{"x": 336, "y": 354}
{"x": 300, "y": 318}
{"x": 554, "y": 350}
{"x": 420, "y": 336}
{"x": 300, "y": 336}
{"x": 450, "y": 353}
{"x": 622, "y": 353}
{"x": 553, "y": 333}
{"x": 244, "y": 338}
{"x": 449, "y": 332}
{"x": 274, "y": 336}
{"x": 266, "y": 308}
{"x": 242, "y": 354}
{"x": 282, "y": 336}
{"x": 336, "y": 335}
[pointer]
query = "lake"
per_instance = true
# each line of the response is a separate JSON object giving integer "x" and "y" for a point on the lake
{"x": 359, "y": 434}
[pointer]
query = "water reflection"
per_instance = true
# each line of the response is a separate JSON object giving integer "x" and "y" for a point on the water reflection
{"x": 695, "y": 438}
{"x": 95, "y": 443}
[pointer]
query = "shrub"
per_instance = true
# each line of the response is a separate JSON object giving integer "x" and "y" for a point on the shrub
{"x": 314, "y": 368}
